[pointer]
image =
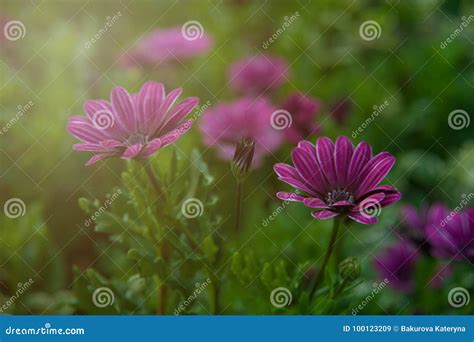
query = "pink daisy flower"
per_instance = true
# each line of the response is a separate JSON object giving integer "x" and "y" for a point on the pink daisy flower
{"x": 131, "y": 125}
{"x": 225, "y": 125}
{"x": 168, "y": 45}
{"x": 337, "y": 179}
{"x": 258, "y": 74}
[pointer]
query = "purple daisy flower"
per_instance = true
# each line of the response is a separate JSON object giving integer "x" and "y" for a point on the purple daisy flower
{"x": 131, "y": 125}
{"x": 413, "y": 226}
{"x": 337, "y": 179}
{"x": 225, "y": 125}
{"x": 258, "y": 74}
{"x": 167, "y": 45}
{"x": 451, "y": 234}
{"x": 397, "y": 264}
{"x": 303, "y": 110}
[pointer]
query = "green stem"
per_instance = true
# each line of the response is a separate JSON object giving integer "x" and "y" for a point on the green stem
{"x": 163, "y": 246}
{"x": 214, "y": 294}
{"x": 154, "y": 181}
{"x": 238, "y": 205}
{"x": 327, "y": 256}
{"x": 339, "y": 288}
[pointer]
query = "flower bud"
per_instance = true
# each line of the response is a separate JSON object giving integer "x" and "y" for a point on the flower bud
{"x": 349, "y": 268}
{"x": 243, "y": 157}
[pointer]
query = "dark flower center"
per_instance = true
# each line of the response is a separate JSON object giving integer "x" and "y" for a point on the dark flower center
{"x": 339, "y": 195}
{"x": 136, "y": 138}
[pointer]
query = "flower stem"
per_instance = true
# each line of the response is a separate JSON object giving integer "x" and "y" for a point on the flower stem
{"x": 163, "y": 246}
{"x": 238, "y": 205}
{"x": 215, "y": 293}
{"x": 154, "y": 181}
{"x": 327, "y": 256}
{"x": 163, "y": 290}
{"x": 340, "y": 287}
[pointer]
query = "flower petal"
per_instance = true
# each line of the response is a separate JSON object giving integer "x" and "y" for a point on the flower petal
{"x": 324, "y": 214}
{"x": 373, "y": 200}
{"x": 93, "y": 147}
{"x": 309, "y": 170}
{"x": 170, "y": 99}
{"x": 148, "y": 104}
{"x": 179, "y": 112}
{"x": 132, "y": 151}
{"x": 285, "y": 170}
{"x": 325, "y": 155}
{"x": 342, "y": 204}
{"x": 342, "y": 156}
{"x": 151, "y": 148}
{"x": 375, "y": 175}
{"x": 364, "y": 219}
{"x": 81, "y": 128}
{"x": 296, "y": 184}
{"x": 101, "y": 114}
{"x": 391, "y": 198}
{"x": 96, "y": 158}
{"x": 314, "y": 202}
{"x": 124, "y": 109}
{"x": 289, "y": 196}
{"x": 360, "y": 157}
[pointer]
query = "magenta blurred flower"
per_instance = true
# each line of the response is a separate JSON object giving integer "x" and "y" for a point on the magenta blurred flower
{"x": 225, "y": 125}
{"x": 338, "y": 179}
{"x": 450, "y": 233}
{"x": 258, "y": 74}
{"x": 413, "y": 226}
{"x": 303, "y": 111}
{"x": 131, "y": 125}
{"x": 397, "y": 264}
{"x": 340, "y": 110}
{"x": 167, "y": 45}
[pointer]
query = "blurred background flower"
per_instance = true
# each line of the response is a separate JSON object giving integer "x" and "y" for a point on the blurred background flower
{"x": 224, "y": 125}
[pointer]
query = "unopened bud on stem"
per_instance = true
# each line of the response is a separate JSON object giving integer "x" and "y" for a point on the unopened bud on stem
{"x": 242, "y": 160}
{"x": 349, "y": 268}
